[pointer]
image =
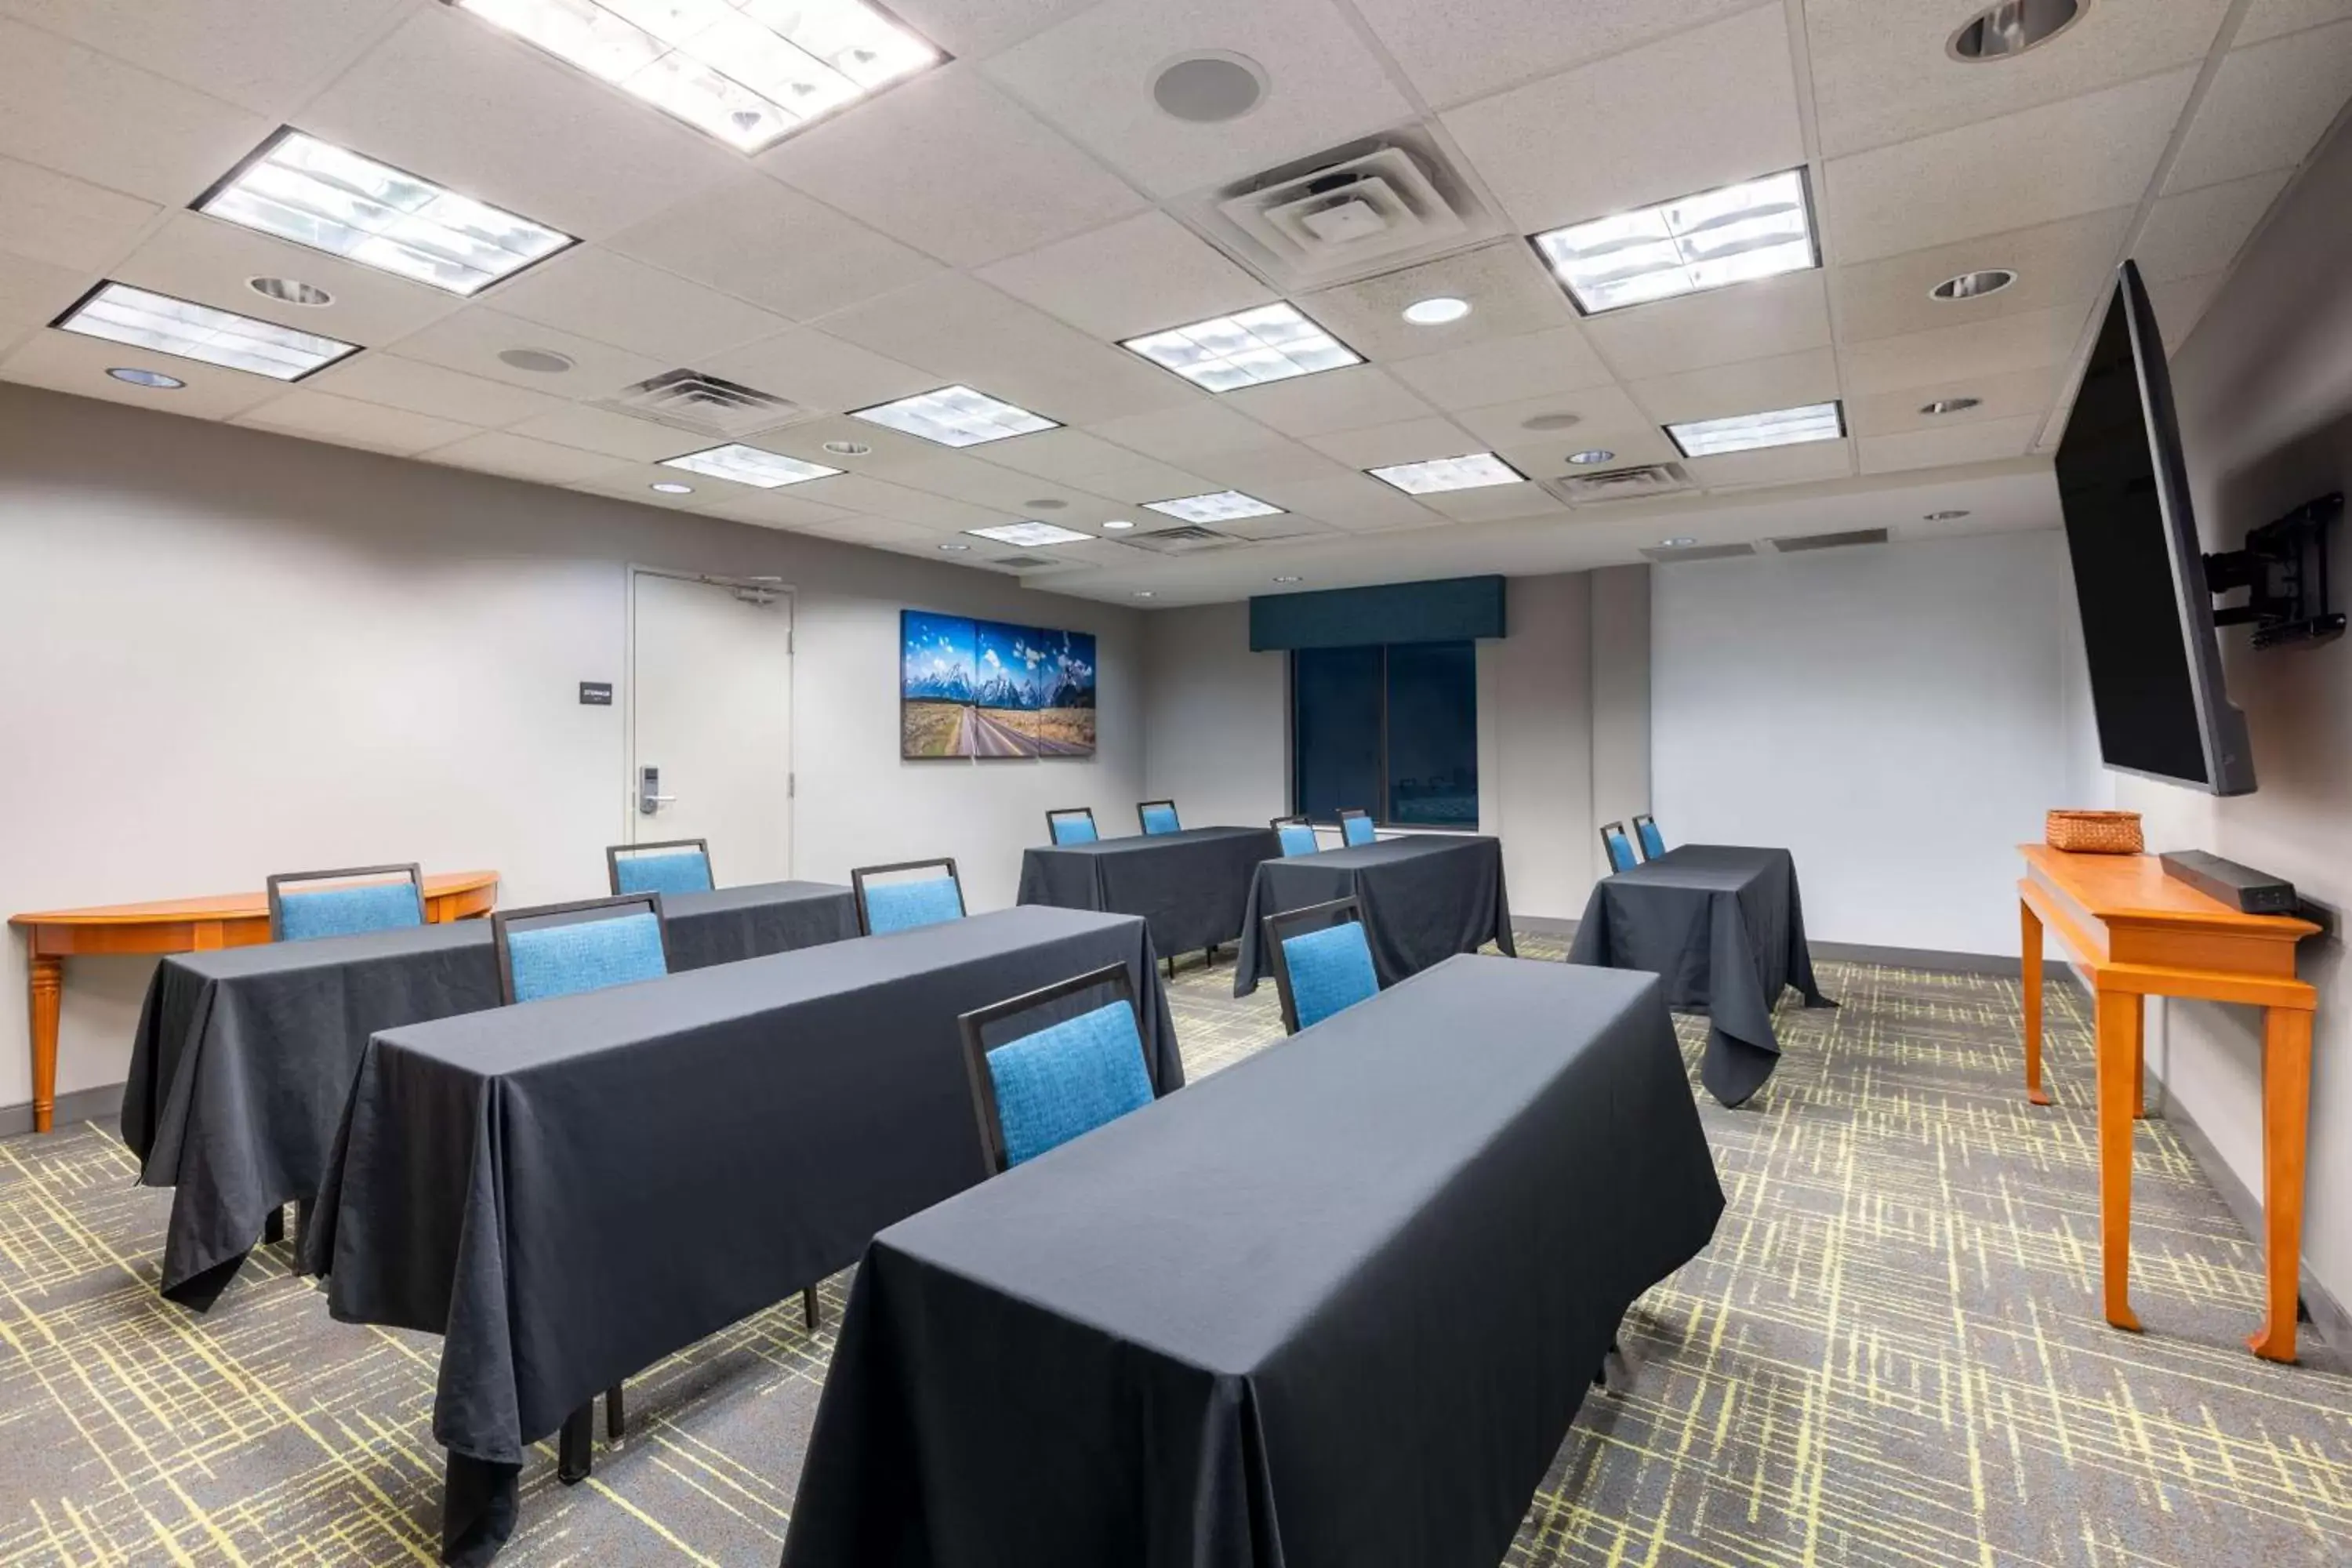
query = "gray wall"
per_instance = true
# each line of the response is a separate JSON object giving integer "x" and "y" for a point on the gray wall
{"x": 1215, "y": 735}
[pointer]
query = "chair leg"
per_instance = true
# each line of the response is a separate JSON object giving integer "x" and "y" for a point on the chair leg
{"x": 575, "y": 1446}
{"x": 305, "y": 1212}
{"x": 1614, "y": 1375}
{"x": 616, "y": 1420}
{"x": 810, "y": 1314}
{"x": 273, "y": 1229}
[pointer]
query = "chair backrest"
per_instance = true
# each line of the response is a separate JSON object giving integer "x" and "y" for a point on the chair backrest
{"x": 1072, "y": 825}
{"x": 1158, "y": 816}
{"x": 1038, "y": 1088}
{"x": 1356, "y": 826}
{"x": 1297, "y": 836}
{"x": 1653, "y": 842}
{"x": 554, "y": 949}
{"x": 367, "y": 897}
{"x": 1620, "y": 847}
{"x": 888, "y": 900}
{"x": 666, "y": 866}
{"x": 1325, "y": 967}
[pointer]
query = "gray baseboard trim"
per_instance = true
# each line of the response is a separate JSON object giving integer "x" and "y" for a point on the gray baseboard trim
{"x": 1545, "y": 925}
{"x": 2007, "y": 965}
{"x": 82, "y": 1105}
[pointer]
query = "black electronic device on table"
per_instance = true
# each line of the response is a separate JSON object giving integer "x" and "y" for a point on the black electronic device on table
{"x": 2242, "y": 888}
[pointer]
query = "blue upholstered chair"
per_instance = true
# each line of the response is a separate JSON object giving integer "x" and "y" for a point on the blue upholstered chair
{"x": 668, "y": 865}
{"x": 903, "y": 903}
{"x": 366, "y": 897}
{"x": 1646, "y": 834}
{"x": 1326, "y": 967}
{"x": 1072, "y": 825}
{"x": 1619, "y": 846}
{"x": 1355, "y": 827}
{"x": 1035, "y": 1089}
{"x": 1157, "y": 817}
{"x": 554, "y": 949}
{"x": 1297, "y": 836}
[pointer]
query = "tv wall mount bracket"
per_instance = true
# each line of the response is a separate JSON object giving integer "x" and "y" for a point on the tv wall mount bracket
{"x": 2282, "y": 566}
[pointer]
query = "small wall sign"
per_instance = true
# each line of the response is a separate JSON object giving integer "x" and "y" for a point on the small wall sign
{"x": 595, "y": 694}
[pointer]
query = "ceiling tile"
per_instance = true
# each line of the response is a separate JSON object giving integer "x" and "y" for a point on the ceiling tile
{"x": 1631, "y": 123}
{"x": 1093, "y": 74}
{"x": 1089, "y": 464}
{"x": 193, "y": 256}
{"x": 1330, "y": 400}
{"x": 1260, "y": 471}
{"x": 518, "y": 457}
{"x": 1356, "y": 502}
{"x": 1495, "y": 503}
{"x": 1629, "y": 446}
{"x": 954, "y": 168}
{"x": 768, "y": 508}
{"x": 969, "y": 30}
{"x": 471, "y": 339}
{"x": 2271, "y": 18}
{"x": 67, "y": 222}
{"x": 879, "y": 498}
{"x": 1558, "y": 360}
{"x": 82, "y": 113}
{"x": 1407, "y": 441}
{"x": 2064, "y": 263}
{"x": 1601, "y": 412}
{"x": 2007, "y": 395}
{"x": 261, "y": 55}
{"x": 614, "y": 300}
{"x": 349, "y": 423}
{"x": 1955, "y": 353}
{"x": 420, "y": 388}
{"x": 448, "y": 98}
{"x": 1140, "y": 275}
{"x": 1187, "y": 433}
{"x": 613, "y": 434}
{"x": 65, "y": 362}
{"x": 1804, "y": 464}
{"x": 34, "y": 293}
{"x": 960, "y": 475}
{"x": 1748, "y": 320}
{"x": 2180, "y": 303}
{"x": 2267, "y": 108}
{"x": 1882, "y": 72}
{"x": 1509, "y": 293}
{"x": 1982, "y": 442}
{"x": 817, "y": 370}
{"x": 2202, "y": 230}
{"x": 761, "y": 241}
{"x": 1455, "y": 49}
{"x": 875, "y": 533}
{"x": 1750, "y": 387}
{"x": 636, "y": 482}
{"x": 2000, "y": 174}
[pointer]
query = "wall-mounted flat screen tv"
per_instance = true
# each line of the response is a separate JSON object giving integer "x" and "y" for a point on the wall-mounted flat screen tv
{"x": 2139, "y": 572}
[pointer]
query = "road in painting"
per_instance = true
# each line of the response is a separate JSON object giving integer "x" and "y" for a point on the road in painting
{"x": 984, "y": 688}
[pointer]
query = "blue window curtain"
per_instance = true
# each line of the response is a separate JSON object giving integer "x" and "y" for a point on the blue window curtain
{"x": 1393, "y": 729}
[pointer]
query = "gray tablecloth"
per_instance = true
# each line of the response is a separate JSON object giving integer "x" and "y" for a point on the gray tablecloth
{"x": 1189, "y": 887}
{"x": 1724, "y": 926}
{"x": 1334, "y": 1307}
{"x": 571, "y": 1189}
{"x": 243, "y": 1057}
{"x": 1425, "y": 898}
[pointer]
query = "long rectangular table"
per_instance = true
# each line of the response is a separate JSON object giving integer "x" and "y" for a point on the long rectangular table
{"x": 244, "y": 1058}
{"x": 1334, "y": 1307}
{"x": 1190, "y": 887}
{"x": 1725, "y": 926}
{"x": 1426, "y": 896}
{"x": 569, "y": 1190}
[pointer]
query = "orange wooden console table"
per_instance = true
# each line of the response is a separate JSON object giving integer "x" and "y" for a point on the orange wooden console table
{"x": 2134, "y": 932}
{"x": 176, "y": 925}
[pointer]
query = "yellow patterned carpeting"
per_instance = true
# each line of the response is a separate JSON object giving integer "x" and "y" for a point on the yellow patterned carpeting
{"x": 1891, "y": 1355}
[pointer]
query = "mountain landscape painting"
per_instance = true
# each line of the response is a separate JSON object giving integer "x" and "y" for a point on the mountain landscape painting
{"x": 1066, "y": 716}
{"x": 988, "y": 688}
{"x": 935, "y": 666}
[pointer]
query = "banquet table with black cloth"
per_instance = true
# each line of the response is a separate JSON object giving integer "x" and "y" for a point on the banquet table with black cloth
{"x": 1725, "y": 926}
{"x": 1426, "y": 896}
{"x": 245, "y": 1056}
{"x": 1189, "y": 887}
{"x": 1334, "y": 1307}
{"x": 569, "y": 1190}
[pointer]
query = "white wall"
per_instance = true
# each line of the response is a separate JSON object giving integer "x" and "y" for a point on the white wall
{"x": 231, "y": 653}
{"x": 1216, "y": 725}
{"x": 1535, "y": 730}
{"x": 1620, "y": 695}
{"x": 1894, "y": 714}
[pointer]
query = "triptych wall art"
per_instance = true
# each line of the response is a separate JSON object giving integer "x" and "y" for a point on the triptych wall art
{"x": 982, "y": 689}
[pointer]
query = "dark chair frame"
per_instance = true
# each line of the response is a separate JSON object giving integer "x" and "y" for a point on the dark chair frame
{"x": 973, "y": 1026}
{"x": 1339, "y": 910}
{"x": 613, "y": 853}
{"x": 1141, "y": 806}
{"x": 1631, "y": 843}
{"x": 277, "y": 904}
{"x": 858, "y": 884}
{"x": 504, "y": 917}
{"x": 1085, "y": 810}
{"x": 1349, "y": 811}
{"x": 1640, "y": 848}
{"x": 1295, "y": 819}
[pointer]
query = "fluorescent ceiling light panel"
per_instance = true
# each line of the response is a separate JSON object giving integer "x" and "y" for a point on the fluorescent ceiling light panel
{"x": 1748, "y": 432}
{"x": 749, "y": 466}
{"x": 121, "y": 314}
{"x": 746, "y": 71}
{"x": 1735, "y": 235}
{"x": 315, "y": 194}
{"x": 955, "y": 417}
{"x": 1273, "y": 342}
{"x": 1217, "y": 506}
{"x": 1029, "y": 534}
{"x": 1474, "y": 471}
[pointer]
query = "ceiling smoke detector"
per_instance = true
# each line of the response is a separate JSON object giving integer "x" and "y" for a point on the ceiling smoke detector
{"x": 539, "y": 361}
{"x": 1209, "y": 88}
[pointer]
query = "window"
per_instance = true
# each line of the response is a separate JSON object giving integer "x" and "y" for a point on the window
{"x": 1393, "y": 730}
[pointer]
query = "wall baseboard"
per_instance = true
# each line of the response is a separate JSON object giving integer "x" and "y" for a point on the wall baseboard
{"x": 1929, "y": 959}
{"x": 98, "y": 1104}
{"x": 1545, "y": 925}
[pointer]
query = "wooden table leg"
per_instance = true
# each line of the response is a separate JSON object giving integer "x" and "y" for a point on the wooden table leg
{"x": 2286, "y": 1111}
{"x": 48, "y": 982}
{"x": 2030, "y": 983}
{"x": 2119, "y": 1033}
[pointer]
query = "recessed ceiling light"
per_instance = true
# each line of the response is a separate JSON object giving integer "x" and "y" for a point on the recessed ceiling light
{"x": 1046, "y": 503}
{"x": 1437, "y": 312}
{"x": 1678, "y": 542}
{"x": 539, "y": 361}
{"x": 955, "y": 417}
{"x": 1551, "y": 422}
{"x": 1216, "y": 506}
{"x": 1286, "y": 578}
{"x": 1028, "y": 534}
{"x": 670, "y": 487}
{"x": 955, "y": 549}
{"x": 1141, "y": 593}
{"x": 290, "y": 291}
{"x": 1974, "y": 285}
{"x": 1758, "y": 229}
{"x": 1477, "y": 471}
{"x": 749, "y": 466}
{"x": 1209, "y": 87}
{"x": 1950, "y": 405}
{"x": 1752, "y": 431}
{"x": 1118, "y": 524}
{"x": 747, "y": 71}
{"x": 1945, "y": 516}
{"x": 150, "y": 378}
{"x": 1590, "y": 456}
{"x": 1273, "y": 342}
{"x": 847, "y": 449}
{"x": 121, "y": 314}
{"x": 2003, "y": 32}
{"x": 315, "y": 194}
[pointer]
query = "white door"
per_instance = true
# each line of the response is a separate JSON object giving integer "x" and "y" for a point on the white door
{"x": 710, "y": 699}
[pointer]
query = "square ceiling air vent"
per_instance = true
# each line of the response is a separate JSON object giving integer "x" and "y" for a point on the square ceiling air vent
{"x": 1620, "y": 484}
{"x": 706, "y": 404}
{"x": 1189, "y": 540}
{"x": 1023, "y": 563}
{"x": 1699, "y": 551}
{"x": 1831, "y": 541}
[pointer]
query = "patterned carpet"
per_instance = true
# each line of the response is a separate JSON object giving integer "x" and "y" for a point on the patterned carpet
{"x": 1891, "y": 1355}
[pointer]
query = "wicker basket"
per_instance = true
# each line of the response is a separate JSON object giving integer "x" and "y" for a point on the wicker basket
{"x": 2094, "y": 832}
